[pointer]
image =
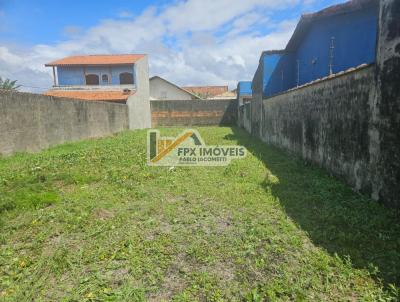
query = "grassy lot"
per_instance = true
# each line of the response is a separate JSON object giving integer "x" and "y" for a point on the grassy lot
{"x": 92, "y": 222}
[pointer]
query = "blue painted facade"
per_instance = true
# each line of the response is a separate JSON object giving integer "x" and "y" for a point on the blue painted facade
{"x": 244, "y": 89}
{"x": 338, "y": 41}
{"x": 278, "y": 72}
{"x": 75, "y": 75}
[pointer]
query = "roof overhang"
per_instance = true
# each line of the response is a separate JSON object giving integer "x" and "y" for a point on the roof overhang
{"x": 97, "y": 60}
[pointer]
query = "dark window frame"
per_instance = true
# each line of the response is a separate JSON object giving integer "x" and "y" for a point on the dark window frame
{"x": 106, "y": 80}
{"x": 92, "y": 79}
{"x": 126, "y": 78}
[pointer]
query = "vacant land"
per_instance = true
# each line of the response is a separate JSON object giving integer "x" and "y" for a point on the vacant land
{"x": 92, "y": 222}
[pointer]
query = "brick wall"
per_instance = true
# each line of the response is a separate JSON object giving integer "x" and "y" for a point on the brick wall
{"x": 193, "y": 113}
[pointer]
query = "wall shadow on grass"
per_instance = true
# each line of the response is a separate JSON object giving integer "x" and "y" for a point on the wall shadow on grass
{"x": 335, "y": 217}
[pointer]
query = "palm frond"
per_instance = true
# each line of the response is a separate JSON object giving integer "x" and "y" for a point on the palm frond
{"x": 7, "y": 84}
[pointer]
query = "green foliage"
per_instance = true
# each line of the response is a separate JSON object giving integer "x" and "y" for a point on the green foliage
{"x": 7, "y": 84}
{"x": 90, "y": 221}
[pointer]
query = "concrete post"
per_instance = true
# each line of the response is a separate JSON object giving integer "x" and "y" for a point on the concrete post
{"x": 385, "y": 119}
{"x": 139, "y": 103}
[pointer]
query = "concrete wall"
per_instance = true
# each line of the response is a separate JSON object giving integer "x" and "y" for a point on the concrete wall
{"x": 161, "y": 89}
{"x": 348, "y": 123}
{"x": 31, "y": 122}
{"x": 139, "y": 103}
{"x": 247, "y": 117}
{"x": 326, "y": 123}
{"x": 193, "y": 112}
{"x": 385, "y": 108}
{"x": 244, "y": 94}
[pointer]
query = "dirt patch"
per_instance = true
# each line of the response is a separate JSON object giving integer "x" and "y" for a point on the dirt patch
{"x": 57, "y": 241}
{"x": 118, "y": 276}
{"x": 58, "y": 288}
{"x": 103, "y": 214}
{"x": 172, "y": 285}
{"x": 65, "y": 188}
{"x": 225, "y": 271}
{"x": 174, "y": 281}
{"x": 223, "y": 223}
{"x": 176, "y": 199}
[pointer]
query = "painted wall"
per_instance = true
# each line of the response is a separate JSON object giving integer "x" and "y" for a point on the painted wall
{"x": 31, "y": 122}
{"x": 281, "y": 78}
{"x": 163, "y": 90}
{"x": 70, "y": 76}
{"x": 354, "y": 44}
{"x": 269, "y": 67}
{"x": 244, "y": 88}
{"x": 75, "y": 75}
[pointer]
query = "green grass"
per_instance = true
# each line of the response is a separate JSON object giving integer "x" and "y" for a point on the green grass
{"x": 91, "y": 221}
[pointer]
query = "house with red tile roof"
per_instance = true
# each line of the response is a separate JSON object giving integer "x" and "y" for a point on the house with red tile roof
{"x": 161, "y": 89}
{"x": 207, "y": 92}
{"x": 110, "y": 78}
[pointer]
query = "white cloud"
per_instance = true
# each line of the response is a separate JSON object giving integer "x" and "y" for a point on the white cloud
{"x": 182, "y": 41}
{"x": 198, "y": 15}
{"x": 246, "y": 22}
{"x": 26, "y": 69}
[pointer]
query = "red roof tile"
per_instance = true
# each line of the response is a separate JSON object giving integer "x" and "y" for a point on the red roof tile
{"x": 208, "y": 91}
{"x": 110, "y": 96}
{"x": 97, "y": 60}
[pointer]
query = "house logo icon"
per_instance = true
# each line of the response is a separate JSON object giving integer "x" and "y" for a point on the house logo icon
{"x": 188, "y": 149}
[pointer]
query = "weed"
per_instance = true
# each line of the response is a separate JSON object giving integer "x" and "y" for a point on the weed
{"x": 90, "y": 221}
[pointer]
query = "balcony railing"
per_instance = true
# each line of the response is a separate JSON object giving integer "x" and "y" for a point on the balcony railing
{"x": 94, "y": 87}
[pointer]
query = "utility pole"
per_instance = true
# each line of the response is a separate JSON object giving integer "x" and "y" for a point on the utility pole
{"x": 331, "y": 55}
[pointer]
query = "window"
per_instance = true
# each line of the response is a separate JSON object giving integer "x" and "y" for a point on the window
{"x": 126, "y": 78}
{"x": 92, "y": 79}
{"x": 104, "y": 78}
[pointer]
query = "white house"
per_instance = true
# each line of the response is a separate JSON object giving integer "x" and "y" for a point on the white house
{"x": 161, "y": 89}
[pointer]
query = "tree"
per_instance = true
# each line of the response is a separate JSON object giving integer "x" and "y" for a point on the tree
{"x": 7, "y": 84}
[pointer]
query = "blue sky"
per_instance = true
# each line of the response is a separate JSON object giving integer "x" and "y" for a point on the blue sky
{"x": 190, "y": 42}
{"x": 44, "y": 21}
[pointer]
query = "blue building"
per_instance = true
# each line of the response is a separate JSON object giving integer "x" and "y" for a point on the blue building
{"x": 324, "y": 43}
{"x": 96, "y": 77}
{"x": 244, "y": 92}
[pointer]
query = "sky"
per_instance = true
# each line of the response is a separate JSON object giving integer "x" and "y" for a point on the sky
{"x": 189, "y": 42}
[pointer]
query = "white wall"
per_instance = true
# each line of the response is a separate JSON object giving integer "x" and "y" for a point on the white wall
{"x": 163, "y": 90}
{"x": 139, "y": 103}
